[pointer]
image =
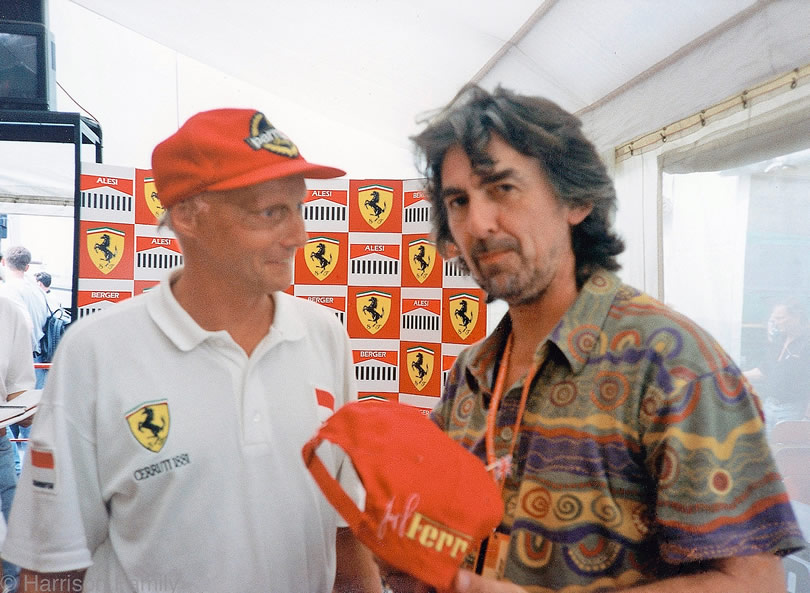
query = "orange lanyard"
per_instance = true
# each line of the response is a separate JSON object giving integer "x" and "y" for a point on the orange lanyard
{"x": 500, "y": 467}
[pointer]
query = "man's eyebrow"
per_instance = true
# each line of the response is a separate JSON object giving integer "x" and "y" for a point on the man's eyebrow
{"x": 451, "y": 191}
{"x": 486, "y": 178}
{"x": 497, "y": 176}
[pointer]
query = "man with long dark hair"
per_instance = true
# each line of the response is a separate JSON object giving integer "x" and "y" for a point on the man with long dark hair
{"x": 628, "y": 446}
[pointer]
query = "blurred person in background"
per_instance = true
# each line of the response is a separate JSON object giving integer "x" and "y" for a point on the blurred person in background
{"x": 24, "y": 291}
{"x": 43, "y": 281}
{"x": 783, "y": 377}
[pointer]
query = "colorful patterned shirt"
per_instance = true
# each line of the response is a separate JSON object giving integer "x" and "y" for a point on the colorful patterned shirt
{"x": 641, "y": 449}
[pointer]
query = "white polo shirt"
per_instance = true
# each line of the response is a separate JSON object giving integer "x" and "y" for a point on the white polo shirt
{"x": 16, "y": 360}
{"x": 165, "y": 459}
{"x": 30, "y": 298}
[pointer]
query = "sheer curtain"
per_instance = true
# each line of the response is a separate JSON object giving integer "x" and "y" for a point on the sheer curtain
{"x": 704, "y": 222}
{"x": 684, "y": 211}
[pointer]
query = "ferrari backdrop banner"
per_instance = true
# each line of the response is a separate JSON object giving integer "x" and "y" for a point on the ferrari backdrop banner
{"x": 369, "y": 259}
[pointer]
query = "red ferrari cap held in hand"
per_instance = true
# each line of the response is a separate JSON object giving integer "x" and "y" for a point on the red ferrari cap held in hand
{"x": 227, "y": 149}
{"x": 429, "y": 501}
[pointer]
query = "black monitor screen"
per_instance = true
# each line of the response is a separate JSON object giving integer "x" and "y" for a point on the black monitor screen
{"x": 18, "y": 66}
{"x": 26, "y": 75}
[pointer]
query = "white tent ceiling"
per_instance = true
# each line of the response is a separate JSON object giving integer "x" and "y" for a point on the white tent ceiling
{"x": 377, "y": 63}
{"x": 348, "y": 79}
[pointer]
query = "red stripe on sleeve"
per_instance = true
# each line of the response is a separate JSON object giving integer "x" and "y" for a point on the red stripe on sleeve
{"x": 43, "y": 459}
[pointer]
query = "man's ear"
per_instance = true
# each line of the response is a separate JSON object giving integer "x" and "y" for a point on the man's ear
{"x": 449, "y": 250}
{"x": 578, "y": 214}
{"x": 183, "y": 216}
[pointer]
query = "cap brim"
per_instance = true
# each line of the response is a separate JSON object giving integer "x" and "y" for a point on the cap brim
{"x": 277, "y": 171}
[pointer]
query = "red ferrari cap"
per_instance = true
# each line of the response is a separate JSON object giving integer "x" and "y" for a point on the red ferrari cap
{"x": 227, "y": 149}
{"x": 429, "y": 501}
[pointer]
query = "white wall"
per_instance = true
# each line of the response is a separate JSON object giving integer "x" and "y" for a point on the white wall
{"x": 140, "y": 92}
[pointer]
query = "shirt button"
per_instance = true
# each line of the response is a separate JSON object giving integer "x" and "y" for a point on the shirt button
{"x": 506, "y": 433}
{"x": 257, "y": 417}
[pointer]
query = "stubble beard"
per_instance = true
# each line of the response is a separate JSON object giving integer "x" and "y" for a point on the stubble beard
{"x": 521, "y": 286}
{"x": 524, "y": 283}
{"x": 513, "y": 289}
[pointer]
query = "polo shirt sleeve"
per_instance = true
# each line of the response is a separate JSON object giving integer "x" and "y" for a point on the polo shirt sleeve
{"x": 59, "y": 517}
{"x": 719, "y": 493}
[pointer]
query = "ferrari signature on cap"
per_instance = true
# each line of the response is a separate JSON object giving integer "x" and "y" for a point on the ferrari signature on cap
{"x": 429, "y": 501}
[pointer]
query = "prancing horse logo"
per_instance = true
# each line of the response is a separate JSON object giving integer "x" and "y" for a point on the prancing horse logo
{"x": 321, "y": 256}
{"x": 105, "y": 246}
{"x": 373, "y": 309}
{"x": 422, "y": 256}
{"x": 151, "y": 197}
{"x": 463, "y": 312}
{"x": 419, "y": 258}
{"x": 420, "y": 362}
{"x": 376, "y": 203}
{"x": 417, "y": 365}
{"x": 149, "y": 424}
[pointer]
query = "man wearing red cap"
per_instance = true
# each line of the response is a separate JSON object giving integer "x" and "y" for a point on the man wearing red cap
{"x": 628, "y": 447}
{"x": 133, "y": 484}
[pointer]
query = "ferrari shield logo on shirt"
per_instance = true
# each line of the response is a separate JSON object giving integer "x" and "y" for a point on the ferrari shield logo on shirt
{"x": 149, "y": 424}
{"x": 463, "y": 313}
{"x": 373, "y": 309}
{"x": 420, "y": 361}
{"x": 151, "y": 196}
{"x": 375, "y": 202}
{"x": 321, "y": 255}
{"x": 263, "y": 135}
{"x": 105, "y": 246}
{"x": 422, "y": 257}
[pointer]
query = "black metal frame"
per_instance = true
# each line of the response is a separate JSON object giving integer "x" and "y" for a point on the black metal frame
{"x": 63, "y": 128}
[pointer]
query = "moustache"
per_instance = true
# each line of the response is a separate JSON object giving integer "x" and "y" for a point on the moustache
{"x": 489, "y": 245}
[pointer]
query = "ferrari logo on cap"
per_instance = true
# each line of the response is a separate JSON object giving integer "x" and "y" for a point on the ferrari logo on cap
{"x": 321, "y": 255}
{"x": 464, "y": 313}
{"x": 373, "y": 309}
{"x": 420, "y": 362}
{"x": 152, "y": 200}
{"x": 263, "y": 135}
{"x": 149, "y": 424}
{"x": 422, "y": 257}
{"x": 105, "y": 245}
{"x": 375, "y": 203}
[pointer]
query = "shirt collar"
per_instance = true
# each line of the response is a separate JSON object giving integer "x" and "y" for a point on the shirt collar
{"x": 576, "y": 335}
{"x": 580, "y": 329}
{"x": 187, "y": 334}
